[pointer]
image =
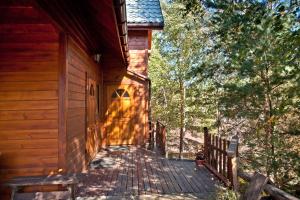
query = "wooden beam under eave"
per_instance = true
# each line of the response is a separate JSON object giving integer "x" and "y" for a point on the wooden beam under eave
{"x": 73, "y": 18}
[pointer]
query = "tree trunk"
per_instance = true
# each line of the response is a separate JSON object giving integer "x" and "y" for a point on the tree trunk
{"x": 182, "y": 117}
{"x": 269, "y": 126}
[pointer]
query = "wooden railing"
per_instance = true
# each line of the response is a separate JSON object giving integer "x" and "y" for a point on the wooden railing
{"x": 221, "y": 157}
{"x": 270, "y": 189}
{"x": 161, "y": 137}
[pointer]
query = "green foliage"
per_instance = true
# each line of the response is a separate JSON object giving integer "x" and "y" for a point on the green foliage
{"x": 261, "y": 84}
{"x": 175, "y": 52}
{"x": 240, "y": 64}
{"x": 226, "y": 194}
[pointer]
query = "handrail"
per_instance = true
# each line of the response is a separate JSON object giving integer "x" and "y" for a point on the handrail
{"x": 270, "y": 189}
{"x": 221, "y": 156}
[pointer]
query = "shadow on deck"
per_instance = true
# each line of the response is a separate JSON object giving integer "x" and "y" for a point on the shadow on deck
{"x": 136, "y": 173}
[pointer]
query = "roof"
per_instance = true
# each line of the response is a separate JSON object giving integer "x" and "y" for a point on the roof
{"x": 145, "y": 13}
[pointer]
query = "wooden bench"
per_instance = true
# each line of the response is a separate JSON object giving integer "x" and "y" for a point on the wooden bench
{"x": 64, "y": 180}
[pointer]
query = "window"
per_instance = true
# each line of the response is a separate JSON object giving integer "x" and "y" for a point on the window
{"x": 120, "y": 93}
{"x": 92, "y": 90}
{"x": 114, "y": 95}
{"x": 126, "y": 94}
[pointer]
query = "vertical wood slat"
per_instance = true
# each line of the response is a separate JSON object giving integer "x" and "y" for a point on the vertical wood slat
{"x": 213, "y": 151}
{"x": 229, "y": 166}
{"x": 220, "y": 155}
{"x": 151, "y": 135}
{"x": 219, "y": 160}
{"x": 232, "y": 153}
{"x": 224, "y": 158}
{"x": 216, "y": 153}
{"x": 163, "y": 139}
{"x": 206, "y": 147}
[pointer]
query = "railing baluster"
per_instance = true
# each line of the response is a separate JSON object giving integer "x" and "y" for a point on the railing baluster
{"x": 224, "y": 158}
{"x": 206, "y": 145}
{"x": 220, "y": 155}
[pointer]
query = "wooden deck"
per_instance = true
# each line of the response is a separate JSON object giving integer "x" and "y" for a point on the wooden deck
{"x": 129, "y": 171}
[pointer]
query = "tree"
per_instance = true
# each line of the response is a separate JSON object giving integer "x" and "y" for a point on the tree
{"x": 176, "y": 46}
{"x": 239, "y": 63}
{"x": 259, "y": 81}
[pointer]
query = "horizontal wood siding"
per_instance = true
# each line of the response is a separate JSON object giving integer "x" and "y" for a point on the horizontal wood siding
{"x": 79, "y": 63}
{"x": 138, "y": 49}
{"x": 28, "y": 92}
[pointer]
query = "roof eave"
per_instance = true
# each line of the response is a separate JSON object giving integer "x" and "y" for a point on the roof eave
{"x": 146, "y": 26}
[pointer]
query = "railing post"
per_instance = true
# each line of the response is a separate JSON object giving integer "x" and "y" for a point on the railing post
{"x": 206, "y": 148}
{"x": 151, "y": 135}
{"x": 157, "y": 135}
{"x": 163, "y": 139}
{"x": 232, "y": 162}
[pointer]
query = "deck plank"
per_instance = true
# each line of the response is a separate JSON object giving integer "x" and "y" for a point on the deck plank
{"x": 160, "y": 176}
{"x": 176, "y": 185}
{"x": 182, "y": 179}
{"x": 135, "y": 182}
{"x": 165, "y": 172}
{"x": 141, "y": 188}
{"x": 136, "y": 171}
{"x": 207, "y": 184}
{"x": 146, "y": 178}
{"x": 180, "y": 166}
{"x": 188, "y": 167}
{"x": 150, "y": 175}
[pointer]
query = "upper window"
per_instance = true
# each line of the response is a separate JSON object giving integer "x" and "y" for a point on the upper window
{"x": 120, "y": 93}
{"x": 92, "y": 90}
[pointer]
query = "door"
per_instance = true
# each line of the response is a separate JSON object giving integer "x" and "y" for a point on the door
{"x": 92, "y": 139}
{"x": 120, "y": 118}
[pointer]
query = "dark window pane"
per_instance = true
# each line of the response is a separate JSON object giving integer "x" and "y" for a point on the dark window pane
{"x": 120, "y": 92}
{"x": 92, "y": 92}
{"x": 114, "y": 95}
{"x": 126, "y": 94}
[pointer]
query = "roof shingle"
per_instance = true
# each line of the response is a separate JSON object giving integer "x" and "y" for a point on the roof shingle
{"x": 144, "y": 12}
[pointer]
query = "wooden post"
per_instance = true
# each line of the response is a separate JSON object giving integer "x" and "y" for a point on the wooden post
{"x": 206, "y": 149}
{"x": 157, "y": 135}
{"x": 151, "y": 133}
{"x": 232, "y": 163}
{"x": 163, "y": 140}
{"x": 224, "y": 157}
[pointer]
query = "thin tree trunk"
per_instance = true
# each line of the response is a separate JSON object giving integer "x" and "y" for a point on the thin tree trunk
{"x": 269, "y": 125}
{"x": 182, "y": 117}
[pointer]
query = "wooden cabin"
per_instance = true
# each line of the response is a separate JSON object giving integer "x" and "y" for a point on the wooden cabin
{"x": 73, "y": 79}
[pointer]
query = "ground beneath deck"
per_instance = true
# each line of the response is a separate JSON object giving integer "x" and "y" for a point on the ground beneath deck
{"x": 136, "y": 173}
